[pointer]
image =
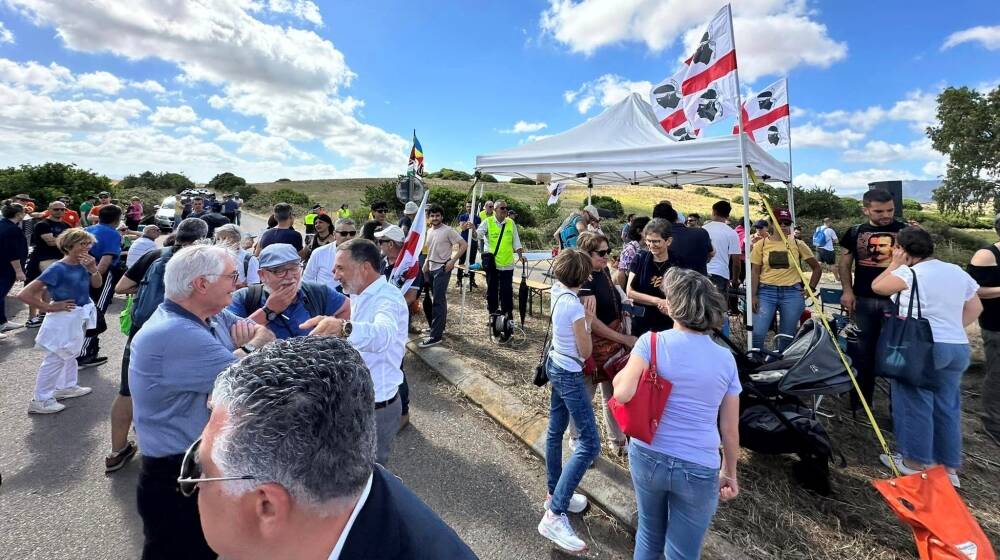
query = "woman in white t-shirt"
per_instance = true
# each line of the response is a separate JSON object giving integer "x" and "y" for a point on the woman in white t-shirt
{"x": 570, "y": 347}
{"x": 927, "y": 422}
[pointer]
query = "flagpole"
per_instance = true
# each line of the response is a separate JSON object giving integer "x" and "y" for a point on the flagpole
{"x": 468, "y": 249}
{"x": 748, "y": 283}
{"x": 791, "y": 184}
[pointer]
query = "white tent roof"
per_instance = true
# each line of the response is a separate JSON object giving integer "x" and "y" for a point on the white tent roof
{"x": 626, "y": 144}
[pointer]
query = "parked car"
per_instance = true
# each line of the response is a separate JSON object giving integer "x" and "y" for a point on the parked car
{"x": 164, "y": 217}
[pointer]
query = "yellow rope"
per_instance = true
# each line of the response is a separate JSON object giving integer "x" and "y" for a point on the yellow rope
{"x": 826, "y": 324}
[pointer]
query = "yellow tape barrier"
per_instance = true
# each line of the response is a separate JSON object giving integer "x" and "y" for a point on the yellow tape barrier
{"x": 826, "y": 324}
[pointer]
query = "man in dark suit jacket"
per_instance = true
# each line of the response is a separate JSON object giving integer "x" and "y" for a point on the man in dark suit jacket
{"x": 286, "y": 466}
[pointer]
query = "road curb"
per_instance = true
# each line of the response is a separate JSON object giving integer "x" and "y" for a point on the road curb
{"x": 607, "y": 485}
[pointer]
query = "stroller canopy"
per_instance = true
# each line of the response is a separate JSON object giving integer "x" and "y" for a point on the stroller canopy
{"x": 810, "y": 365}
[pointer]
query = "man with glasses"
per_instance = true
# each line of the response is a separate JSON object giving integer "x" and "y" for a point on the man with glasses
{"x": 693, "y": 220}
{"x": 176, "y": 356}
{"x": 43, "y": 239}
{"x": 283, "y": 301}
{"x": 103, "y": 199}
{"x": 379, "y": 212}
{"x": 319, "y": 269}
{"x": 500, "y": 242}
{"x": 315, "y": 491}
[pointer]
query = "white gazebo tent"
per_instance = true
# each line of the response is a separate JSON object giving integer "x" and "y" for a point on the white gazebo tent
{"x": 626, "y": 145}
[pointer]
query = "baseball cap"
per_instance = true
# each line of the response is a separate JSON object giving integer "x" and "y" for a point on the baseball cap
{"x": 317, "y": 206}
{"x": 411, "y": 208}
{"x": 277, "y": 254}
{"x": 390, "y": 232}
{"x": 760, "y": 224}
{"x": 104, "y": 194}
{"x": 783, "y": 215}
{"x": 592, "y": 210}
{"x": 23, "y": 197}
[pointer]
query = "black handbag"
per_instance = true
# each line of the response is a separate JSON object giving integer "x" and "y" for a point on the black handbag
{"x": 541, "y": 376}
{"x": 905, "y": 348}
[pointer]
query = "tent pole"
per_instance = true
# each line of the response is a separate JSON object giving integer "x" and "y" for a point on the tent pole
{"x": 468, "y": 248}
{"x": 746, "y": 200}
{"x": 590, "y": 190}
{"x": 791, "y": 183}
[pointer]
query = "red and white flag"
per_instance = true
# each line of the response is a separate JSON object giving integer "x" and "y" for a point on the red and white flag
{"x": 665, "y": 97}
{"x": 407, "y": 265}
{"x": 765, "y": 116}
{"x": 709, "y": 90}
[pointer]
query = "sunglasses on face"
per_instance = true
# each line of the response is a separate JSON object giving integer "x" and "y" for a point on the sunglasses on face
{"x": 191, "y": 475}
{"x": 602, "y": 253}
{"x": 346, "y": 233}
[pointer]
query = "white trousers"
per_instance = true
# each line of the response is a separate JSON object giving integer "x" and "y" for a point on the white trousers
{"x": 56, "y": 372}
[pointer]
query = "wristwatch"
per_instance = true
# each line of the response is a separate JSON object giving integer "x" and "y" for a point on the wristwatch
{"x": 346, "y": 329}
{"x": 269, "y": 315}
{"x": 249, "y": 348}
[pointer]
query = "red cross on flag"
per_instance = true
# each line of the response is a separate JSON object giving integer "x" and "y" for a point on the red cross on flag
{"x": 765, "y": 116}
{"x": 407, "y": 265}
{"x": 709, "y": 89}
{"x": 665, "y": 97}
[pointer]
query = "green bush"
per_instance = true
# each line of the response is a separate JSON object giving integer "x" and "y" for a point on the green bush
{"x": 703, "y": 191}
{"x": 608, "y": 203}
{"x": 226, "y": 183}
{"x": 247, "y": 192}
{"x": 449, "y": 175}
{"x": 49, "y": 181}
{"x": 738, "y": 199}
{"x": 451, "y": 201}
{"x": 545, "y": 212}
{"x": 264, "y": 201}
{"x": 382, "y": 192}
{"x": 965, "y": 222}
{"x": 532, "y": 238}
{"x": 173, "y": 182}
{"x": 910, "y": 204}
{"x": 815, "y": 202}
{"x": 283, "y": 180}
{"x": 487, "y": 178}
{"x": 521, "y": 181}
{"x": 525, "y": 214}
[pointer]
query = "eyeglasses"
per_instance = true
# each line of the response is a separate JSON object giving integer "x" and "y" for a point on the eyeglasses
{"x": 190, "y": 475}
{"x": 234, "y": 276}
{"x": 283, "y": 271}
{"x": 57, "y": 209}
{"x": 381, "y": 241}
{"x": 382, "y": 210}
{"x": 346, "y": 233}
{"x": 602, "y": 253}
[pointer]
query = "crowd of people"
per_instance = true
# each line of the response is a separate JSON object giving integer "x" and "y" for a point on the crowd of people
{"x": 285, "y": 320}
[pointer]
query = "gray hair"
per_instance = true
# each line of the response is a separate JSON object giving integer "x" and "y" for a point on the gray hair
{"x": 190, "y": 230}
{"x": 694, "y": 301}
{"x": 362, "y": 251}
{"x": 228, "y": 234}
{"x": 344, "y": 222}
{"x": 189, "y": 264}
{"x": 300, "y": 413}
{"x": 659, "y": 226}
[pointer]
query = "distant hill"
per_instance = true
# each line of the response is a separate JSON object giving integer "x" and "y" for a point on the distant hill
{"x": 921, "y": 191}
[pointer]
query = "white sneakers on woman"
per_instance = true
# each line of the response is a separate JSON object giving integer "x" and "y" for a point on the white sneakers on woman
{"x": 577, "y": 503}
{"x": 897, "y": 460}
{"x": 557, "y": 529}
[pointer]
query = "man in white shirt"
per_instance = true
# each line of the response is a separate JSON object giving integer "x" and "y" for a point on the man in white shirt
{"x": 724, "y": 266}
{"x": 142, "y": 245}
{"x": 319, "y": 268}
{"x": 376, "y": 329}
{"x": 314, "y": 490}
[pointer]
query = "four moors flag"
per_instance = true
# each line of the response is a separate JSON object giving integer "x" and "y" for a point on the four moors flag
{"x": 665, "y": 99}
{"x": 709, "y": 89}
{"x": 416, "y": 165}
{"x": 407, "y": 265}
{"x": 765, "y": 116}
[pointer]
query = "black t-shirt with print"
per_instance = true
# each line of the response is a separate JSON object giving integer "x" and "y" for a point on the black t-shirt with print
{"x": 648, "y": 278}
{"x": 871, "y": 246}
{"x": 605, "y": 295}
{"x": 44, "y": 251}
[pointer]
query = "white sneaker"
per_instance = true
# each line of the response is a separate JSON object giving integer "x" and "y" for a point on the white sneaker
{"x": 897, "y": 459}
{"x": 953, "y": 477}
{"x": 10, "y": 326}
{"x": 577, "y": 503}
{"x": 49, "y": 406}
{"x": 557, "y": 529}
{"x": 71, "y": 392}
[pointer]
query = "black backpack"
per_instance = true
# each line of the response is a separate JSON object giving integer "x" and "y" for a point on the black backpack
{"x": 314, "y": 296}
{"x": 151, "y": 290}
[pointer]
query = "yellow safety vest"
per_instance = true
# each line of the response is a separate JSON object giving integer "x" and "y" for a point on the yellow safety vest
{"x": 505, "y": 254}
{"x": 344, "y": 213}
{"x": 310, "y": 219}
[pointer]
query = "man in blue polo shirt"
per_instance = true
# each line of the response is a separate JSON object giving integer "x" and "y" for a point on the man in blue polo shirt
{"x": 283, "y": 301}
{"x": 107, "y": 251}
{"x": 176, "y": 356}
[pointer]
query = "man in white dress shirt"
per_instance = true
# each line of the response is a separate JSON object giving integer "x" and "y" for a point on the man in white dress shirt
{"x": 319, "y": 268}
{"x": 376, "y": 329}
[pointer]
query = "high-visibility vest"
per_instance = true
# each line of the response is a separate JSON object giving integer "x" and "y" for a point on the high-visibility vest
{"x": 344, "y": 213}
{"x": 310, "y": 218}
{"x": 505, "y": 254}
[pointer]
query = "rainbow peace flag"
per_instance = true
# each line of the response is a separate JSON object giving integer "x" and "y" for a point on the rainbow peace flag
{"x": 416, "y": 165}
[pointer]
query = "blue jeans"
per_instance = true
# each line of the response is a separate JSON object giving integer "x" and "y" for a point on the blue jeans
{"x": 928, "y": 422}
{"x": 569, "y": 398}
{"x": 7, "y": 279}
{"x": 677, "y": 500}
{"x": 789, "y": 300}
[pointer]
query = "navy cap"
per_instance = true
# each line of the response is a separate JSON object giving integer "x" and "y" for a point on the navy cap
{"x": 277, "y": 254}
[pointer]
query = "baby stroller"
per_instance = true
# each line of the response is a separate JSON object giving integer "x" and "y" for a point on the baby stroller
{"x": 774, "y": 418}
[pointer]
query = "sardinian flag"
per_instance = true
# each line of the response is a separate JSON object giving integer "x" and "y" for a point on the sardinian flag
{"x": 765, "y": 116}
{"x": 407, "y": 265}
{"x": 665, "y": 98}
{"x": 709, "y": 89}
{"x": 556, "y": 189}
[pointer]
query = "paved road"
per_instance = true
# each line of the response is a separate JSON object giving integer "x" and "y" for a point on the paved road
{"x": 56, "y": 502}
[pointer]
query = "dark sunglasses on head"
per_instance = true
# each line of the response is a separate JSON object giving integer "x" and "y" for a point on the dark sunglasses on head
{"x": 601, "y": 253}
{"x": 191, "y": 476}
{"x": 346, "y": 233}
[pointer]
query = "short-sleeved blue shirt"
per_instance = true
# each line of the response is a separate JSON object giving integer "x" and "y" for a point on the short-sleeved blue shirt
{"x": 176, "y": 357}
{"x": 67, "y": 282}
{"x": 109, "y": 242}
{"x": 295, "y": 315}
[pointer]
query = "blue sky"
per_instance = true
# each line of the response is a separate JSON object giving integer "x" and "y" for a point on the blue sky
{"x": 293, "y": 88}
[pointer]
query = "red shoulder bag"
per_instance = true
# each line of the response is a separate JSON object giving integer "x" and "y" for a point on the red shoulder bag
{"x": 640, "y": 417}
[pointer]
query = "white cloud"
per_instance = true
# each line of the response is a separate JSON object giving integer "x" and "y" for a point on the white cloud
{"x": 918, "y": 108}
{"x": 215, "y": 126}
{"x": 520, "y": 127}
{"x": 5, "y": 34}
{"x": 303, "y": 9}
{"x": 810, "y": 135}
{"x": 33, "y": 75}
{"x": 168, "y": 116}
{"x": 774, "y": 36}
{"x": 851, "y": 182}
{"x": 255, "y": 144}
{"x": 152, "y": 86}
{"x": 606, "y": 90}
{"x": 879, "y": 151}
{"x": 534, "y": 138}
{"x": 987, "y": 36}
{"x": 25, "y": 111}
{"x": 936, "y": 168}
{"x": 104, "y": 82}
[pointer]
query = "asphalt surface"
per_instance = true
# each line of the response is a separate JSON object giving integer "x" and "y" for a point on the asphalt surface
{"x": 56, "y": 502}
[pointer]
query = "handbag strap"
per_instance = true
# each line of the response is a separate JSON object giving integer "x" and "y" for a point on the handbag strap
{"x": 914, "y": 295}
{"x": 548, "y": 329}
{"x": 652, "y": 352}
{"x": 499, "y": 237}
